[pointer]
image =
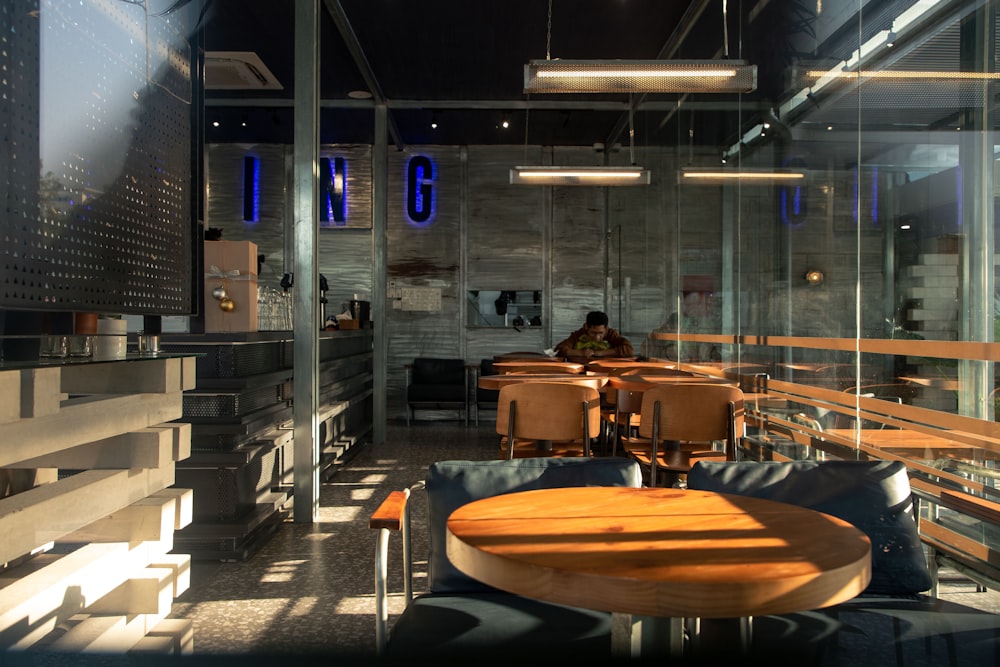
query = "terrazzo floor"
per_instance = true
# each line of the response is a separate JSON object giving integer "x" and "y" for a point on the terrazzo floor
{"x": 309, "y": 588}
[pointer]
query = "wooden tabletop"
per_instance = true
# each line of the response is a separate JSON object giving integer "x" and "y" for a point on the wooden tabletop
{"x": 595, "y": 380}
{"x": 644, "y": 382}
{"x": 626, "y": 363}
{"x": 540, "y": 357}
{"x": 809, "y": 367}
{"x": 935, "y": 382}
{"x": 915, "y": 444}
{"x": 660, "y": 552}
{"x": 537, "y": 366}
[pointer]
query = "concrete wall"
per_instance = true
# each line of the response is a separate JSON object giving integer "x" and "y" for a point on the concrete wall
{"x": 629, "y": 251}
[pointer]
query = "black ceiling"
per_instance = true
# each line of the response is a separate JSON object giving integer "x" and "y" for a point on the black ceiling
{"x": 461, "y": 62}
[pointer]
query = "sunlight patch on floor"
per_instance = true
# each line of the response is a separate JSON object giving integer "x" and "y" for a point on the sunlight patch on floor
{"x": 363, "y": 494}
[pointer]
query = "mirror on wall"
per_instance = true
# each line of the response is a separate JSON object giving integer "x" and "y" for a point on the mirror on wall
{"x": 505, "y": 308}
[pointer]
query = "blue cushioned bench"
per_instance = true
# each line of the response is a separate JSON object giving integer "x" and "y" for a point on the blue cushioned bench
{"x": 894, "y": 621}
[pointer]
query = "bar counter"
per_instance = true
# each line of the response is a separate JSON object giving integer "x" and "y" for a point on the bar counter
{"x": 240, "y": 412}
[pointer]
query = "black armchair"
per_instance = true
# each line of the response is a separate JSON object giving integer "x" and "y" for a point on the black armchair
{"x": 437, "y": 384}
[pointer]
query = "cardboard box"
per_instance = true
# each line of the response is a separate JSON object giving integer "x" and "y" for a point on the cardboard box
{"x": 229, "y": 256}
{"x": 349, "y": 324}
{"x": 243, "y": 317}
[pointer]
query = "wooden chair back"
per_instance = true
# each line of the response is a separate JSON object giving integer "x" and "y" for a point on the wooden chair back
{"x": 555, "y": 411}
{"x": 627, "y": 404}
{"x": 691, "y": 413}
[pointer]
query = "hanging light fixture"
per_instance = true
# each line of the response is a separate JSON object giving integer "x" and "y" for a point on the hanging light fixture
{"x": 713, "y": 176}
{"x": 594, "y": 176}
{"x": 641, "y": 76}
{"x": 547, "y": 175}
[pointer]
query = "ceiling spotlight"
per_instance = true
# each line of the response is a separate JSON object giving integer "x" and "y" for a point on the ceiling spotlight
{"x": 505, "y": 123}
{"x": 434, "y": 122}
{"x": 215, "y": 123}
{"x": 814, "y": 277}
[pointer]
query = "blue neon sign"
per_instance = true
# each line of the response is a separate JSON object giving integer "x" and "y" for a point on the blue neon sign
{"x": 251, "y": 188}
{"x": 419, "y": 189}
{"x": 333, "y": 190}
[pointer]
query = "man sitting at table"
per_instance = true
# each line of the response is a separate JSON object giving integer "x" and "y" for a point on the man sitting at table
{"x": 594, "y": 340}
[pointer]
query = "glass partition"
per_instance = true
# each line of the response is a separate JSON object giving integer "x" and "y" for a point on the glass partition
{"x": 845, "y": 247}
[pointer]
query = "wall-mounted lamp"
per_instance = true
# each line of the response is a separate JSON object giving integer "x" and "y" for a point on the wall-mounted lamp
{"x": 548, "y": 175}
{"x": 814, "y": 277}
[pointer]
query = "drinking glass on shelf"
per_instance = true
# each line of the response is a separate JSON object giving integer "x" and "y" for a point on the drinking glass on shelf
{"x": 53, "y": 346}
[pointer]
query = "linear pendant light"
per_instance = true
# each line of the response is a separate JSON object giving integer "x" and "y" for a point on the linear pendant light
{"x": 639, "y": 76}
{"x": 712, "y": 176}
{"x": 548, "y": 175}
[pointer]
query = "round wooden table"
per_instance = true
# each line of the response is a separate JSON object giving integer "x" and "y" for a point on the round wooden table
{"x": 660, "y": 552}
{"x": 596, "y": 380}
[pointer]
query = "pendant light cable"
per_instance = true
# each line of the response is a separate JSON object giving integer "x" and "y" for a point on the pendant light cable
{"x": 631, "y": 132}
{"x": 725, "y": 29}
{"x": 548, "y": 35}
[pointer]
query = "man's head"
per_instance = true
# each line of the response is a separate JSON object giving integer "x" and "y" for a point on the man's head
{"x": 596, "y": 325}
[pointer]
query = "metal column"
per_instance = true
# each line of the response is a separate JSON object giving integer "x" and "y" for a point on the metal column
{"x": 305, "y": 324}
{"x": 380, "y": 351}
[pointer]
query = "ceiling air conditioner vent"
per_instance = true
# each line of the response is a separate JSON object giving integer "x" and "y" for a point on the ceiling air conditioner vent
{"x": 238, "y": 70}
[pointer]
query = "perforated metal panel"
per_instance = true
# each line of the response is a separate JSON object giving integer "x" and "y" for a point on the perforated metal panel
{"x": 230, "y": 404}
{"x": 96, "y": 111}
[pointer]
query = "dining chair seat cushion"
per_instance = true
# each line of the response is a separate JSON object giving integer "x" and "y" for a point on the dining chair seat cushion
{"x": 874, "y": 496}
{"x": 451, "y": 484}
{"x": 485, "y": 625}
